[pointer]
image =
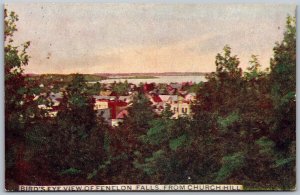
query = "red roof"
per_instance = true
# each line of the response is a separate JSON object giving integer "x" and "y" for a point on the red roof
{"x": 148, "y": 87}
{"x": 113, "y": 107}
{"x": 122, "y": 114}
{"x": 156, "y": 98}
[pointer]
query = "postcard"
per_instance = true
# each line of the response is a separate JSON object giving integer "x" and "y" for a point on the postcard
{"x": 150, "y": 97}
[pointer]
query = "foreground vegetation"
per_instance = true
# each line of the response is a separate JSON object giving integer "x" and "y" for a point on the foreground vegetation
{"x": 243, "y": 130}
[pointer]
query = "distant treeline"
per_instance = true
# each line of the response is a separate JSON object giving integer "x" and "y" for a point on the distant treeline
{"x": 65, "y": 77}
{"x": 104, "y": 76}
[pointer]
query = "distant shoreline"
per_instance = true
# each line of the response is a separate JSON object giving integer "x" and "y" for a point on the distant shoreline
{"x": 139, "y": 75}
{"x": 153, "y": 74}
{"x": 110, "y": 76}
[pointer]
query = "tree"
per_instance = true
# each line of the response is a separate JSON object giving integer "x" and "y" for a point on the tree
{"x": 283, "y": 91}
{"x": 121, "y": 88}
{"x": 95, "y": 89}
{"x": 21, "y": 105}
{"x": 77, "y": 140}
{"x": 126, "y": 142}
{"x": 169, "y": 160}
{"x": 228, "y": 110}
{"x": 227, "y": 66}
{"x": 254, "y": 71}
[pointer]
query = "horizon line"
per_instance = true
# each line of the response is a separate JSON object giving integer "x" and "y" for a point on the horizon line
{"x": 120, "y": 73}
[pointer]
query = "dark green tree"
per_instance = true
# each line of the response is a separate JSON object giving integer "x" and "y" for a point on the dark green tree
{"x": 283, "y": 91}
{"x": 77, "y": 140}
{"x": 21, "y": 106}
{"x": 127, "y": 145}
{"x": 95, "y": 89}
{"x": 121, "y": 88}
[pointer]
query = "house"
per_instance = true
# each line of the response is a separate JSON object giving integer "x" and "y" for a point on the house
{"x": 117, "y": 112}
{"x": 101, "y": 102}
{"x": 157, "y": 103}
{"x": 181, "y": 107}
{"x": 109, "y": 108}
{"x": 116, "y": 107}
{"x": 119, "y": 118}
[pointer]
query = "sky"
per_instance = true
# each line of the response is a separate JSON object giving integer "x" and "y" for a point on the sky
{"x": 125, "y": 38}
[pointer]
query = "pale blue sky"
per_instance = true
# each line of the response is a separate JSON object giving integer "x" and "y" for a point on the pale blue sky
{"x": 92, "y": 38}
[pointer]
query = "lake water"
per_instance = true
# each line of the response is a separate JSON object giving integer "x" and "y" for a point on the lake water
{"x": 159, "y": 79}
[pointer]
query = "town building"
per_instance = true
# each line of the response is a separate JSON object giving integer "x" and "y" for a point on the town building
{"x": 179, "y": 105}
{"x": 109, "y": 108}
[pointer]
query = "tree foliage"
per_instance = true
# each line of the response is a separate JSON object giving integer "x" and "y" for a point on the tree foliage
{"x": 21, "y": 107}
